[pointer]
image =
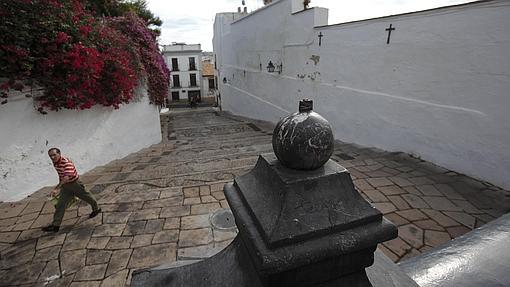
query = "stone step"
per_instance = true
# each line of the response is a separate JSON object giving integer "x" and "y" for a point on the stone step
{"x": 187, "y": 123}
{"x": 194, "y": 123}
{"x": 191, "y": 179}
{"x": 154, "y": 154}
{"x": 234, "y": 130}
{"x": 219, "y": 145}
{"x": 190, "y": 123}
{"x": 166, "y": 149}
{"x": 205, "y": 154}
{"x": 202, "y": 144}
{"x": 165, "y": 146}
{"x": 132, "y": 164}
{"x": 182, "y": 168}
{"x": 189, "y": 154}
{"x": 194, "y": 113}
{"x": 196, "y": 163}
{"x": 214, "y": 137}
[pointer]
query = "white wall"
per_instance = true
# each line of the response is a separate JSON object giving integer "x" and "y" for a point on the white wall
{"x": 90, "y": 137}
{"x": 222, "y": 42}
{"x": 439, "y": 90}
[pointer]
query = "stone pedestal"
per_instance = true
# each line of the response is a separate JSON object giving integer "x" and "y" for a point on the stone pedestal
{"x": 305, "y": 227}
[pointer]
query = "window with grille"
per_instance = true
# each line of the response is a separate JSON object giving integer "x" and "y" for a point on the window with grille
{"x": 176, "y": 81}
{"x": 175, "y": 66}
{"x": 193, "y": 80}
{"x": 192, "y": 66}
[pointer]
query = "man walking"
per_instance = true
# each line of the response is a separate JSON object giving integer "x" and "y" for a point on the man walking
{"x": 69, "y": 186}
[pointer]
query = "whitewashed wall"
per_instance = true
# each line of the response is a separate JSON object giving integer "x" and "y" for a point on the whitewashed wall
{"x": 90, "y": 137}
{"x": 439, "y": 90}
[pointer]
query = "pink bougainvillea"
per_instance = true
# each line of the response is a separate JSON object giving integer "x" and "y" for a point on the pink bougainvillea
{"x": 79, "y": 59}
{"x": 144, "y": 40}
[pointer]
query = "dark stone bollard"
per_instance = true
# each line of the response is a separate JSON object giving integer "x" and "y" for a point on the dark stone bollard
{"x": 301, "y": 223}
{"x": 302, "y": 228}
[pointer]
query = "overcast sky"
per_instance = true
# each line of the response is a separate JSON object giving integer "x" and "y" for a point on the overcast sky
{"x": 191, "y": 21}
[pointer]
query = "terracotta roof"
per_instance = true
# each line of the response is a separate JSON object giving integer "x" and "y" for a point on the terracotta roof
{"x": 207, "y": 69}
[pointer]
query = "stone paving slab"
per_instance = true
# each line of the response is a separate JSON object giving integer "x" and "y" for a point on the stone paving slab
{"x": 157, "y": 204}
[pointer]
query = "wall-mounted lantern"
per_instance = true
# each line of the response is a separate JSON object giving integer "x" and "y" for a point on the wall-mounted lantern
{"x": 270, "y": 67}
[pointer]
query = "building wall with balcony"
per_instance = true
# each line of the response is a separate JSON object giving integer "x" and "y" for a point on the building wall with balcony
{"x": 183, "y": 69}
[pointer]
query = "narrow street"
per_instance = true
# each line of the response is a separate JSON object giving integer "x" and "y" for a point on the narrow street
{"x": 157, "y": 204}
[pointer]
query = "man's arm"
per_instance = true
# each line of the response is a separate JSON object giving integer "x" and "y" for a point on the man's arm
{"x": 56, "y": 190}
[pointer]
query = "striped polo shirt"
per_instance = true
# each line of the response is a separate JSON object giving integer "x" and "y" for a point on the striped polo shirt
{"x": 65, "y": 167}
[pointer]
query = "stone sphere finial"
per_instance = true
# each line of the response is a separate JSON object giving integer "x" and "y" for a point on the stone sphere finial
{"x": 303, "y": 140}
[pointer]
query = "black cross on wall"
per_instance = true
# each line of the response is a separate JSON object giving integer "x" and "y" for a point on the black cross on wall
{"x": 389, "y": 29}
{"x": 320, "y": 38}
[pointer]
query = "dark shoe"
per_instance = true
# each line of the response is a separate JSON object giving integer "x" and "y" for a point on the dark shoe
{"x": 95, "y": 213}
{"x": 50, "y": 228}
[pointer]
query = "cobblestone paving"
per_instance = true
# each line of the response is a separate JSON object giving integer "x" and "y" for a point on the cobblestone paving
{"x": 157, "y": 205}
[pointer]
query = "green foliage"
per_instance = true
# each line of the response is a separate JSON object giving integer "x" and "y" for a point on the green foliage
{"x": 114, "y": 8}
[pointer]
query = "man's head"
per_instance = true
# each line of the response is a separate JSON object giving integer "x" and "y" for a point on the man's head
{"x": 54, "y": 154}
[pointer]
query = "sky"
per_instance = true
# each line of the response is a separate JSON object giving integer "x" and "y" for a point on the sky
{"x": 191, "y": 21}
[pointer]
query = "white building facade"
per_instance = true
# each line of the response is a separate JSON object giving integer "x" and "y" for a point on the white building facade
{"x": 185, "y": 65}
{"x": 436, "y": 87}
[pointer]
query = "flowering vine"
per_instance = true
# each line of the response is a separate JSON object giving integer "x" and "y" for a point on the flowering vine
{"x": 144, "y": 41}
{"x": 80, "y": 59}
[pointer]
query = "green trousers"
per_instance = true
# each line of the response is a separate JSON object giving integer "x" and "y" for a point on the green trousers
{"x": 67, "y": 192}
